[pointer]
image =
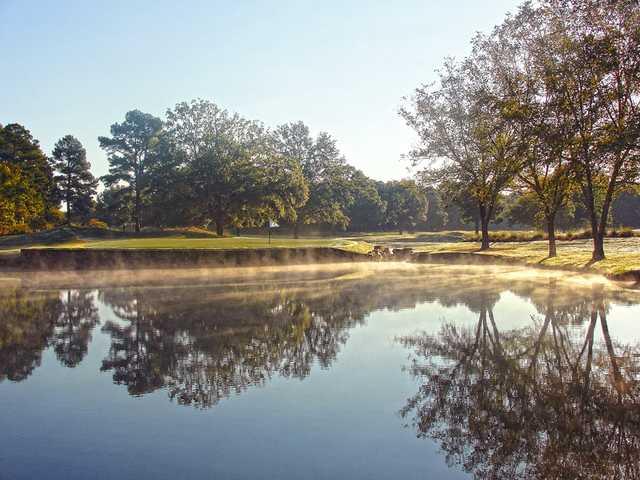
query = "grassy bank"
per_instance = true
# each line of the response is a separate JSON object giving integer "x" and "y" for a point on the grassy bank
{"x": 227, "y": 243}
{"x": 623, "y": 254}
{"x": 172, "y": 239}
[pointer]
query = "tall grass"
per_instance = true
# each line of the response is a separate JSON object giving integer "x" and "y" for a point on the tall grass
{"x": 529, "y": 236}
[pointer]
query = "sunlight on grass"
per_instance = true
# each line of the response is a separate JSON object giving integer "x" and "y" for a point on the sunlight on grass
{"x": 623, "y": 254}
{"x": 182, "y": 242}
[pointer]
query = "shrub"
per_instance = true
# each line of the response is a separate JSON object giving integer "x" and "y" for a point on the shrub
{"x": 19, "y": 229}
{"x": 622, "y": 232}
{"x": 95, "y": 223}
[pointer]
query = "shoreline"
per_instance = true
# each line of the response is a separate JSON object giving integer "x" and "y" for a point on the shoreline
{"x": 88, "y": 259}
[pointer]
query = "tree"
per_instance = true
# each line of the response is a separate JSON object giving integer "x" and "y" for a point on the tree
{"x": 130, "y": 150}
{"x": 459, "y": 126}
{"x": 236, "y": 174}
{"x": 520, "y": 51}
{"x": 76, "y": 183}
{"x": 626, "y": 210}
{"x": 406, "y": 204}
{"x": 28, "y": 196}
{"x": 596, "y": 76}
{"x": 367, "y": 209}
{"x": 170, "y": 193}
{"x": 325, "y": 172}
{"x": 114, "y": 205}
{"x": 437, "y": 216}
{"x": 19, "y": 200}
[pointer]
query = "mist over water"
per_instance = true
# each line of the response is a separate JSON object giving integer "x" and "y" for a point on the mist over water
{"x": 335, "y": 371}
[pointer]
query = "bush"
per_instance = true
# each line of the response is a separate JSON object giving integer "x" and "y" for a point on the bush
{"x": 622, "y": 232}
{"x": 95, "y": 223}
{"x": 20, "y": 229}
{"x": 528, "y": 236}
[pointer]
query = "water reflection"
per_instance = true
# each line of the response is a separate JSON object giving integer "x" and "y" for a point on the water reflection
{"x": 205, "y": 343}
{"x": 555, "y": 395}
{"x": 544, "y": 401}
{"x": 33, "y": 321}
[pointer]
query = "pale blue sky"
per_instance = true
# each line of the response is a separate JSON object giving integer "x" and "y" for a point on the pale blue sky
{"x": 76, "y": 66}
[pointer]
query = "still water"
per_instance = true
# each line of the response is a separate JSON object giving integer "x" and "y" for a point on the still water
{"x": 338, "y": 372}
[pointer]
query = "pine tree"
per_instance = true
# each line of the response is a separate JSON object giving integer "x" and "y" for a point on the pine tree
{"x": 75, "y": 182}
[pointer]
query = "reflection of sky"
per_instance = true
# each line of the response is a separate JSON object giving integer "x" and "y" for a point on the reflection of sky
{"x": 624, "y": 323}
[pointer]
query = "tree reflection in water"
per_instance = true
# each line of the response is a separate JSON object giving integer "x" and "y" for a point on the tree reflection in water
{"x": 544, "y": 401}
{"x": 548, "y": 400}
{"x": 204, "y": 344}
{"x": 32, "y": 321}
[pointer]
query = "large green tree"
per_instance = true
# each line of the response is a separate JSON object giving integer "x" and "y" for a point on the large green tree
{"x": 406, "y": 204}
{"x": 325, "y": 172}
{"x": 130, "y": 150}
{"x": 19, "y": 200}
{"x": 114, "y": 205}
{"x": 236, "y": 175}
{"x": 76, "y": 183}
{"x": 366, "y": 211}
{"x": 28, "y": 197}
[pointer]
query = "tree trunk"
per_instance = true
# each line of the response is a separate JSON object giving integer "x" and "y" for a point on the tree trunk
{"x": 219, "y": 225}
{"x": 598, "y": 247}
{"x": 484, "y": 225}
{"x": 485, "y": 235}
{"x": 551, "y": 231}
{"x": 477, "y": 225}
{"x": 137, "y": 210}
{"x": 68, "y": 211}
{"x": 68, "y": 199}
{"x": 598, "y": 238}
{"x": 295, "y": 230}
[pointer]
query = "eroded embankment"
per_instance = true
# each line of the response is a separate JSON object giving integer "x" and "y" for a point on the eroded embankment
{"x": 88, "y": 259}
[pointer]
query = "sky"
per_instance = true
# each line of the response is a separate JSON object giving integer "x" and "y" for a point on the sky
{"x": 76, "y": 66}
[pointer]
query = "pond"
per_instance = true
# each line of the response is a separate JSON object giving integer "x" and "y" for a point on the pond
{"x": 340, "y": 371}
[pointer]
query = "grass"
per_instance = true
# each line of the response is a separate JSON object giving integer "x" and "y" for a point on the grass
{"x": 623, "y": 254}
{"x": 215, "y": 243}
{"x": 190, "y": 238}
{"x": 533, "y": 235}
{"x": 230, "y": 243}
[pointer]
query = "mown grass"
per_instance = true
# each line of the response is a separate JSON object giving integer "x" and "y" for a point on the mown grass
{"x": 218, "y": 243}
{"x": 187, "y": 238}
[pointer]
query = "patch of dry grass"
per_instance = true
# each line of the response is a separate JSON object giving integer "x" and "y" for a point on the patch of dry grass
{"x": 623, "y": 254}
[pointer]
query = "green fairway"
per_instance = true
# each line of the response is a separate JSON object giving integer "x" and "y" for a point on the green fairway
{"x": 178, "y": 242}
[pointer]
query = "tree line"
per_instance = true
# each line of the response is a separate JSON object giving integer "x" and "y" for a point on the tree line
{"x": 538, "y": 126}
{"x": 201, "y": 165}
{"x": 546, "y": 106}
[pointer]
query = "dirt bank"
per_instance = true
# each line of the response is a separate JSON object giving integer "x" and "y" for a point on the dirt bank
{"x": 88, "y": 259}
